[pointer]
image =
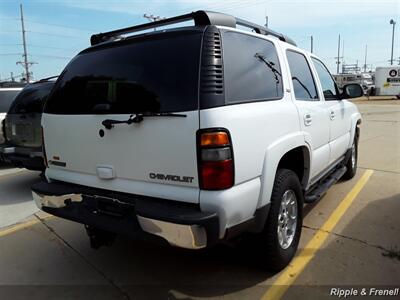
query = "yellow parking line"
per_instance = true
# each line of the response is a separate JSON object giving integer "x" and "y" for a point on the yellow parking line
{"x": 21, "y": 226}
{"x": 289, "y": 275}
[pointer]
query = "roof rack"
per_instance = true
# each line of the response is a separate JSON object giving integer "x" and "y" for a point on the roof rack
{"x": 199, "y": 17}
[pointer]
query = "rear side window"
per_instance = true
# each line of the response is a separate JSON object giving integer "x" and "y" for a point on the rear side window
{"x": 157, "y": 75}
{"x": 302, "y": 79}
{"x": 31, "y": 99}
{"x": 327, "y": 82}
{"x": 6, "y": 99}
{"x": 251, "y": 69}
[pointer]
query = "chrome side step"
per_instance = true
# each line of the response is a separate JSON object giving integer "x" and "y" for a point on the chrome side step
{"x": 316, "y": 193}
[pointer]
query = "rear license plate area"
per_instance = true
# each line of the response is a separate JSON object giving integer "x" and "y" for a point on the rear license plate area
{"x": 110, "y": 207}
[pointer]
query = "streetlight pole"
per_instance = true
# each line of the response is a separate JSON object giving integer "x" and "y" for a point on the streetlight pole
{"x": 392, "y": 22}
{"x": 338, "y": 56}
{"x": 312, "y": 43}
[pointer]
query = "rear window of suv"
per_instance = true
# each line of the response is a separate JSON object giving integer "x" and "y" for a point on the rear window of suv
{"x": 31, "y": 99}
{"x": 131, "y": 76}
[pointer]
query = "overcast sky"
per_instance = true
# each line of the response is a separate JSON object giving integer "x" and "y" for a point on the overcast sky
{"x": 58, "y": 30}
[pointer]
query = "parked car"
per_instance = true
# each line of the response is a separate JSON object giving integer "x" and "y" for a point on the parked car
{"x": 22, "y": 128}
{"x": 7, "y": 96}
{"x": 196, "y": 135}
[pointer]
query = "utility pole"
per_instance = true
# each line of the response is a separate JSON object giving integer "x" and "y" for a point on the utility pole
{"x": 312, "y": 44}
{"x": 153, "y": 18}
{"x": 365, "y": 59}
{"x": 338, "y": 56}
{"x": 392, "y": 22}
{"x": 25, "y": 64}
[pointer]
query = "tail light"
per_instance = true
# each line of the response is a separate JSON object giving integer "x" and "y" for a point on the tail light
{"x": 3, "y": 129}
{"x": 44, "y": 150}
{"x": 215, "y": 159}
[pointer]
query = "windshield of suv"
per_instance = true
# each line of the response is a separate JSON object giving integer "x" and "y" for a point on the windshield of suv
{"x": 31, "y": 99}
{"x": 6, "y": 99}
{"x": 139, "y": 75}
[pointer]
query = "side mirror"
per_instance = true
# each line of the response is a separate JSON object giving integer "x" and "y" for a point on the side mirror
{"x": 352, "y": 90}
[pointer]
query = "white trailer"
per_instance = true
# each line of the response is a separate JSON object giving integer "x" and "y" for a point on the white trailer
{"x": 387, "y": 81}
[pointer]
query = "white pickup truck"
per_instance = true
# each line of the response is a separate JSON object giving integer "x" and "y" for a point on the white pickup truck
{"x": 7, "y": 96}
{"x": 195, "y": 135}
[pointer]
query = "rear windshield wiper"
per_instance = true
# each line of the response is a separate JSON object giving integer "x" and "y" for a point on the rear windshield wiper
{"x": 137, "y": 118}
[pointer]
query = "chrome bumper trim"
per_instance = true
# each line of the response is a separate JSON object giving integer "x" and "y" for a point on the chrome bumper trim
{"x": 7, "y": 150}
{"x": 54, "y": 201}
{"x": 184, "y": 236}
{"x": 180, "y": 235}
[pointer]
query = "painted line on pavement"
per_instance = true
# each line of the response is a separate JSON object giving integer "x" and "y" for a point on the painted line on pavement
{"x": 6, "y": 172}
{"x": 20, "y": 226}
{"x": 290, "y": 274}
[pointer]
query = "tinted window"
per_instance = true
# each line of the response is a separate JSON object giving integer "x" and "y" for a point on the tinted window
{"x": 6, "y": 99}
{"x": 303, "y": 82}
{"x": 31, "y": 99}
{"x": 251, "y": 68}
{"x": 158, "y": 75}
{"x": 327, "y": 83}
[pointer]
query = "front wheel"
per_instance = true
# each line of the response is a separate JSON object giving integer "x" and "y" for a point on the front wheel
{"x": 280, "y": 238}
{"x": 351, "y": 164}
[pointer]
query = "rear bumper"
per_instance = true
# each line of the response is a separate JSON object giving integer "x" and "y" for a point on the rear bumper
{"x": 182, "y": 225}
{"x": 23, "y": 157}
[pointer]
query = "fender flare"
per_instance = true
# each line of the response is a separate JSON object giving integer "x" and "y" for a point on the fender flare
{"x": 272, "y": 157}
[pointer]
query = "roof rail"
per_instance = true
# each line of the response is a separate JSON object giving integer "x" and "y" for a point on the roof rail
{"x": 265, "y": 31}
{"x": 199, "y": 17}
{"x": 46, "y": 79}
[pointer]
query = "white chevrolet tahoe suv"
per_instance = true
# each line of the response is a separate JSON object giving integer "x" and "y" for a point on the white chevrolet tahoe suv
{"x": 195, "y": 135}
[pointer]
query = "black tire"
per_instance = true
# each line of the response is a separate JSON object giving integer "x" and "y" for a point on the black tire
{"x": 350, "y": 165}
{"x": 272, "y": 253}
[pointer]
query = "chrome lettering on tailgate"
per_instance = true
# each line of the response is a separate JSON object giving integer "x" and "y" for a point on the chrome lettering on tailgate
{"x": 168, "y": 177}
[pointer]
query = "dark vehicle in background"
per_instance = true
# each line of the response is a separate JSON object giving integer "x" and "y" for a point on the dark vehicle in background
{"x": 7, "y": 96}
{"x": 22, "y": 128}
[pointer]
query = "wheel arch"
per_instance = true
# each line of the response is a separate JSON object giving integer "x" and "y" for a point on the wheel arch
{"x": 285, "y": 152}
{"x": 354, "y": 129}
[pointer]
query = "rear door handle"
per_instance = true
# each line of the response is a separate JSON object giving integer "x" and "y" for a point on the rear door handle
{"x": 332, "y": 115}
{"x": 307, "y": 119}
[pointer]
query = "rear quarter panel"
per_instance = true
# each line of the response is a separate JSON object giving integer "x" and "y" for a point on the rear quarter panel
{"x": 261, "y": 133}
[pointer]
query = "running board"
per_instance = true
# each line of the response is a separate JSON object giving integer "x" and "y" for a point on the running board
{"x": 317, "y": 193}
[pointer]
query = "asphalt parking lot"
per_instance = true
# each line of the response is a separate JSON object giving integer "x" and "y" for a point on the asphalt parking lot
{"x": 351, "y": 238}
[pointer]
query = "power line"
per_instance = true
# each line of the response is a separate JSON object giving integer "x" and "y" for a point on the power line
{"x": 10, "y": 54}
{"x": 51, "y": 56}
{"x": 39, "y": 46}
{"x": 55, "y": 48}
{"x": 60, "y": 25}
{"x": 58, "y": 35}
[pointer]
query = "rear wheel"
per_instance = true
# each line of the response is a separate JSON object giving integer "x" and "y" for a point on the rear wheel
{"x": 279, "y": 240}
